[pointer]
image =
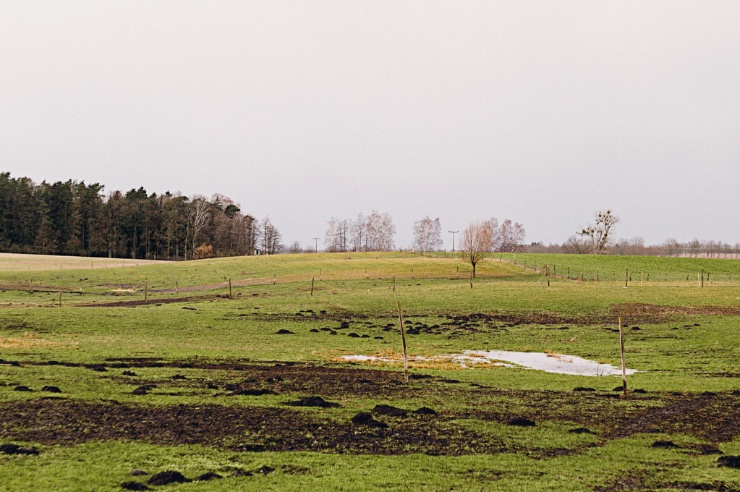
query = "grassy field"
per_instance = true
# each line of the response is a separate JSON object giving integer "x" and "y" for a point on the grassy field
{"x": 206, "y": 367}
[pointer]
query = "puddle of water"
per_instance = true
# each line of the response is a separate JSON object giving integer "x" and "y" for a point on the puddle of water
{"x": 553, "y": 363}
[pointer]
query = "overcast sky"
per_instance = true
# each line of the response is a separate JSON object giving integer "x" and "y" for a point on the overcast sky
{"x": 539, "y": 111}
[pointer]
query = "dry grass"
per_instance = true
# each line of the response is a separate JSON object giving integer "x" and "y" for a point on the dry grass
{"x": 28, "y": 341}
{"x": 10, "y": 262}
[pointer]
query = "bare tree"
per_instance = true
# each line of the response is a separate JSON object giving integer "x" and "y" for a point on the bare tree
{"x": 427, "y": 234}
{"x": 372, "y": 233}
{"x": 578, "y": 246}
{"x": 671, "y": 247}
{"x": 198, "y": 217}
{"x": 359, "y": 233}
{"x": 511, "y": 236}
{"x": 270, "y": 237}
{"x": 600, "y": 231}
{"x": 380, "y": 231}
{"x": 695, "y": 247}
{"x": 476, "y": 243}
{"x": 337, "y": 237}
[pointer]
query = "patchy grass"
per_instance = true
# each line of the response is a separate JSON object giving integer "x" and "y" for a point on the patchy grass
{"x": 194, "y": 381}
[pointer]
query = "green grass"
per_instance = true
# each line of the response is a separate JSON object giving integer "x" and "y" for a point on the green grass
{"x": 683, "y": 343}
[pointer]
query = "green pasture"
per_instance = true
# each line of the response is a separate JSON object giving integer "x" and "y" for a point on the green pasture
{"x": 681, "y": 338}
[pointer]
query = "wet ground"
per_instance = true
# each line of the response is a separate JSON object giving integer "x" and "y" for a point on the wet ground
{"x": 314, "y": 415}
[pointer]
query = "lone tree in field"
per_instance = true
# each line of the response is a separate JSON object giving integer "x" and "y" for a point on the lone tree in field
{"x": 477, "y": 242}
{"x": 600, "y": 231}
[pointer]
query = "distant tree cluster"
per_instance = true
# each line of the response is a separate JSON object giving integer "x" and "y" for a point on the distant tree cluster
{"x": 73, "y": 218}
{"x": 374, "y": 232}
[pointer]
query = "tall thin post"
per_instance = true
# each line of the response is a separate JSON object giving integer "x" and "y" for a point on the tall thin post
{"x": 403, "y": 341}
{"x": 624, "y": 367}
{"x": 146, "y": 292}
{"x": 453, "y": 240}
{"x": 312, "y": 279}
{"x": 230, "y": 296}
{"x": 60, "y": 298}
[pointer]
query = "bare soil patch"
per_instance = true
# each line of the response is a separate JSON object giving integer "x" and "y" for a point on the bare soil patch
{"x": 70, "y": 422}
{"x": 652, "y": 313}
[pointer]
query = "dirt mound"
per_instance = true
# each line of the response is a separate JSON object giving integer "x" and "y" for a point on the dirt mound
{"x": 167, "y": 477}
{"x": 729, "y": 461}
{"x": 134, "y": 486}
{"x": 312, "y": 401}
{"x": 15, "y": 449}
{"x": 251, "y": 392}
{"x": 664, "y": 445}
{"x": 365, "y": 418}
{"x": 208, "y": 476}
{"x": 389, "y": 411}
{"x": 521, "y": 422}
{"x": 581, "y": 430}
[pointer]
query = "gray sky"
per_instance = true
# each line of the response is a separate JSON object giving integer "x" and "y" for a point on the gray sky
{"x": 539, "y": 111}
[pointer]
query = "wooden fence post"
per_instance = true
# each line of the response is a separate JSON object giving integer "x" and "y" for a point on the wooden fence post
{"x": 621, "y": 350}
{"x": 403, "y": 341}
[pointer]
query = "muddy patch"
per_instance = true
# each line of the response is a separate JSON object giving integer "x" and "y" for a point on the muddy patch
{"x": 652, "y": 313}
{"x": 240, "y": 428}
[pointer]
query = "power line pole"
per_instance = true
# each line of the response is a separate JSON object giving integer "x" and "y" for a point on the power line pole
{"x": 453, "y": 239}
{"x": 317, "y": 244}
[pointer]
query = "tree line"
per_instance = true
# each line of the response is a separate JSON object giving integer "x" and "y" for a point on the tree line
{"x": 75, "y": 218}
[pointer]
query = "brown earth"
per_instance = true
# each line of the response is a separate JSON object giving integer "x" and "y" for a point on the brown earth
{"x": 242, "y": 423}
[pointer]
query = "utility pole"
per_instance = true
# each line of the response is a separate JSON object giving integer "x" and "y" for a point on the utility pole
{"x": 317, "y": 244}
{"x": 453, "y": 239}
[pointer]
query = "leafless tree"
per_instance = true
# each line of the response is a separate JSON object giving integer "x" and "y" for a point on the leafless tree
{"x": 295, "y": 247}
{"x": 476, "y": 243}
{"x": 427, "y": 234}
{"x": 578, "y": 245}
{"x": 198, "y": 217}
{"x": 599, "y": 232}
{"x": 337, "y": 237}
{"x": 695, "y": 247}
{"x": 373, "y": 233}
{"x": 671, "y": 247}
{"x": 358, "y": 233}
{"x": 511, "y": 236}
{"x": 270, "y": 237}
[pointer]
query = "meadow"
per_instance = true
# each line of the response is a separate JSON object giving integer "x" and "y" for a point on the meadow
{"x": 233, "y": 372}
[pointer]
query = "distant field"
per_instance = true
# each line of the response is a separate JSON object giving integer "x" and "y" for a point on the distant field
{"x": 235, "y": 367}
{"x": 10, "y": 262}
